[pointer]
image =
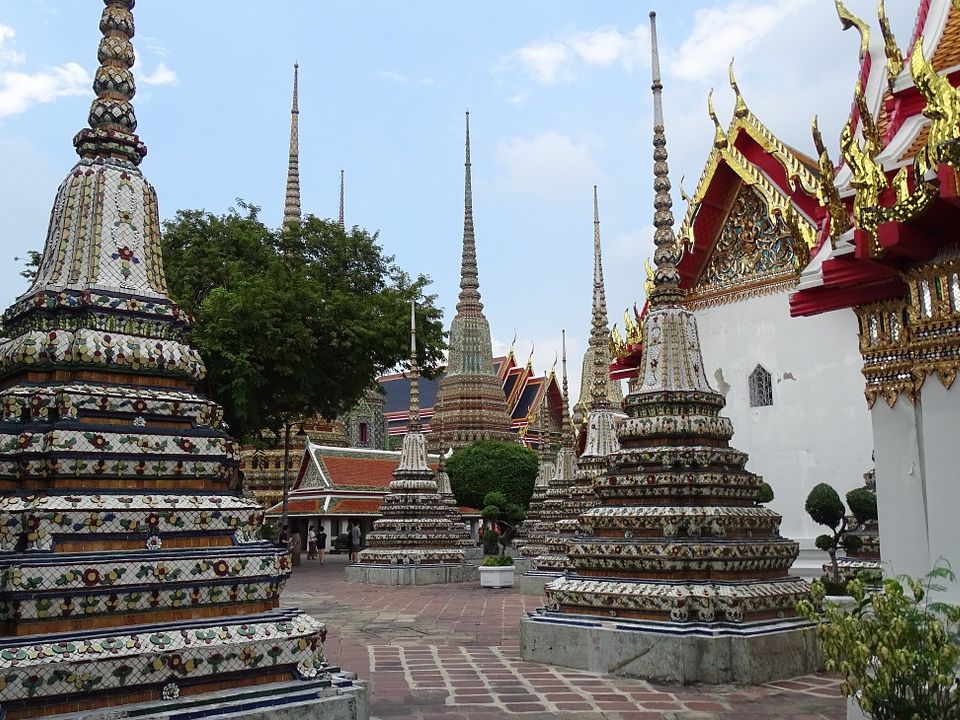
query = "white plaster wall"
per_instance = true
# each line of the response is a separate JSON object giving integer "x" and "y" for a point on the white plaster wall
{"x": 918, "y": 482}
{"x": 818, "y": 428}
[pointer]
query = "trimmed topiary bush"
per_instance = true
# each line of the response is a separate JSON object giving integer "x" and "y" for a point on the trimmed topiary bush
{"x": 766, "y": 493}
{"x": 863, "y": 504}
{"x": 507, "y": 516}
{"x": 826, "y": 508}
{"x": 488, "y": 465}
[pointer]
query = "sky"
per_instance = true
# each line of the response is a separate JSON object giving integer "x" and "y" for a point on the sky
{"x": 559, "y": 99}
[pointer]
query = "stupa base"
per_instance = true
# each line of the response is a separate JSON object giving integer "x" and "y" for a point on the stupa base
{"x": 340, "y": 698}
{"x": 747, "y": 654}
{"x": 532, "y": 582}
{"x": 435, "y": 574}
{"x": 522, "y": 564}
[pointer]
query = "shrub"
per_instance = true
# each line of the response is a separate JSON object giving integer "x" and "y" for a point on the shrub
{"x": 487, "y": 465}
{"x": 766, "y": 493}
{"x": 826, "y": 508}
{"x": 896, "y": 651}
{"x": 863, "y": 504}
{"x": 490, "y": 543}
{"x": 506, "y": 515}
{"x": 341, "y": 542}
{"x": 497, "y": 561}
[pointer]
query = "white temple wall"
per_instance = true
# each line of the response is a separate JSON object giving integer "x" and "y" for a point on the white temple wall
{"x": 818, "y": 428}
{"x": 918, "y": 481}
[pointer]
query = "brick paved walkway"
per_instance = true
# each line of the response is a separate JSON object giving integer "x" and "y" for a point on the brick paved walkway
{"x": 451, "y": 651}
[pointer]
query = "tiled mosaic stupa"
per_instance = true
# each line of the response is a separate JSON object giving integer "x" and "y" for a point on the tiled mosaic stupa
{"x": 444, "y": 489}
{"x": 131, "y": 568}
{"x": 546, "y": 466}
{"x": 681, "y": 575}
{"x": 416, "y": 541}
{"x": 470, "y": 402}
{"x": 601, "y": 439}
{"x": 543, "y": 543}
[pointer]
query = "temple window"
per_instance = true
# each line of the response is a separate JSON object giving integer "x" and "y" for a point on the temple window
{"x": 761, "y": 387}
{"x": 364, "y": 433}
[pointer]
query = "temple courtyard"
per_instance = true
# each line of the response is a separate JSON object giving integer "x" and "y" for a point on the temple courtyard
{"x": 451, "y": 651}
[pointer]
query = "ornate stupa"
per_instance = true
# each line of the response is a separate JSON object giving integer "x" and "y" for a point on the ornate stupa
{"x": 470, "y": 402}
{"x": 416, "y": 541}
{"x": 542, "y": 541}
{"x": 596, "y": 361}
{"x": 866, "y": 556}
{"x": 601, "y": 440}
{"x": 681, "y": 575}
{"x": 445, "y": 491}
{"x": 132, "y": 572}
{"x": 546, "y": 467}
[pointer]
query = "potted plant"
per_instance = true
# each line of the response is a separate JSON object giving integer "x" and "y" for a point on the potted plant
{"x": 497, "y": 570}
{"x": 896, "y": 650}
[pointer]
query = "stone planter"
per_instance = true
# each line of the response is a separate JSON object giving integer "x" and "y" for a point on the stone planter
{"x": 496, "y": 577}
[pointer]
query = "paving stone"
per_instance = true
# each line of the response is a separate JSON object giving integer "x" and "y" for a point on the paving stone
{"x": 450, "y": 651}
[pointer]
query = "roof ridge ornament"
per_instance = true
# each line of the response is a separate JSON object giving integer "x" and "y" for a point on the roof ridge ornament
{"x": 895, "y": 59}
{"x": 720, "y": 139}
{"x": 740, "y": 110}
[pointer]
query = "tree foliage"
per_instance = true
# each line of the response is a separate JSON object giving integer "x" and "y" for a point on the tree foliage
{"x": 296, "y": 322}
{"x": 826, "y": 508}
{"x": 498, "y": 509}
{"x": 896, "y": 652}
{"x": 486, "y": 466}
{"x": 863, "y": 504}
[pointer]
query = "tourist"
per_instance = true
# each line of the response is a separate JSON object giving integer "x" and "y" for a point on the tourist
{"x": 311, "y": 544}
{"x": 283, "y": 540}
{"x": 355, "y": 543}
{"x": 321, "y": 543}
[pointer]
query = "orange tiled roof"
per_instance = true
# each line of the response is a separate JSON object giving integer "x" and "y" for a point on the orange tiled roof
{"x": 367, "y": 472}
{"x": 919, "y": 142}
{"x": 468, "y": 511}
{"x": 947, "y": 53}
{"x": 355, "y": 506}
{"x": 303, "y": 505}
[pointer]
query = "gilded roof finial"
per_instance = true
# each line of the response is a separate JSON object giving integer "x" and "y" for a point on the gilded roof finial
{"x": 890, "y": 48}
{"x": 565, "y": 405}
{"x": 112, "y": 119}
{"x": 740, "y": 109}
{"x": 414, "y": 425}
{"x": 719, "y": 136}
{"x": 666, "y": 279}
{"x": 340, "y": 217}
{"x": 291, "y": 204}
{"x": 530, "y": 356}
{"x": 469, "y": 281}
{"x": 599, "y": 399}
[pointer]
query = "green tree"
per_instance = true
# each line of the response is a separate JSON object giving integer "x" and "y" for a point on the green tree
{"x": 487, "y": 466}
{"x": 296, "y": 322}
{"x": 497, "y": 508}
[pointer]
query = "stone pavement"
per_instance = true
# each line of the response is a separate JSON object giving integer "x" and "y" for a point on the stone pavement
{"x": 451, "y": 651}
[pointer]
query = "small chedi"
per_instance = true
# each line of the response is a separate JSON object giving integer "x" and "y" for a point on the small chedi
{"x": 132, "y": 572}
{"x": 863, "y": 554}
{"x": 541, "y": 541}
{"x": 546, "y": 466}
{"x": 416, "y": 541}
{"x": 464, "y": 539}
{"x": 680, "y": 576}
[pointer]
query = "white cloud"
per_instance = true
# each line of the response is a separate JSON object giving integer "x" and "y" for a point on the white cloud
{"x": 552, "y": 61}
{"x": 18, "y": 91}
{"x": 8, "y": 56}
{"x": 721, "y": 32}
{"x": 161, "y": 76}
{"x": 550, "y": 165}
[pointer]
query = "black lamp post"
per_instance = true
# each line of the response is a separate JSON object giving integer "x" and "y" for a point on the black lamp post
{"x": 286, "y": 466}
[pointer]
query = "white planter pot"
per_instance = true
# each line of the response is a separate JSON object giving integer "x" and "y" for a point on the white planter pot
{"x": 496, "y": 577}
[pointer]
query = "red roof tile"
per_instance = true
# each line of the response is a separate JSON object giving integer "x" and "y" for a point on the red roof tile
{"x": 364, "y": 472}
{"x": 355, "y": 506}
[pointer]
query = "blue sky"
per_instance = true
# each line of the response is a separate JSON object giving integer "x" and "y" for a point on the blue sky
{"x": 559, "y": 97}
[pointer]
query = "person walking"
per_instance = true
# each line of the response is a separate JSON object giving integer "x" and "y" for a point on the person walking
{"x": 355, "y": 542}
{"x": 321, "y": 543}
{"x": 311, "y": 544}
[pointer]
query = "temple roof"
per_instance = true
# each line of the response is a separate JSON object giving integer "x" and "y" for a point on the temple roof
{"x": 894, "y": 191}
{"x": 522, "y": 389}
{"x": 336, "y": 468}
